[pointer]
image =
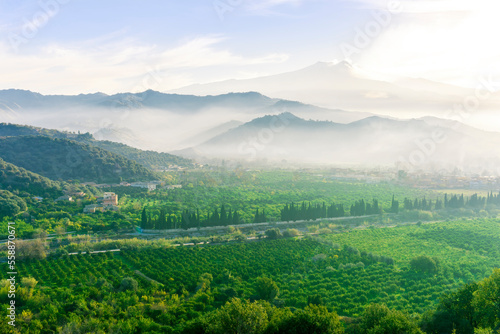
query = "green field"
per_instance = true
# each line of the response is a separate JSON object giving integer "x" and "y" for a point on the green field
{"x": 469, "y": 248}
{"x": 345, "y": 271}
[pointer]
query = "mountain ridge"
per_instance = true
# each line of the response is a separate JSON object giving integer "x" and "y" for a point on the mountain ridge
{"x": 373, "y": 140}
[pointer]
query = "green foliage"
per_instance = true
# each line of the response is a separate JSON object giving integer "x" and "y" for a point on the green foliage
{"x": 291, "y": 232}
{"x": 239, "y": 317}
{"x": 63, "y": 159}
{"x": 474, "y": 308}
{"x": 16, "y": 178}
{"x": 149, "y": 159}
{"x": 128, "y": 283}
{"x": 424, "y": 263}
{"x": 266, "y": 288}
{"x": 469, "y": 248}
{"x": 379, "y": 319}
{"x": 273, "y": 233}
{"x": 268, "y": 191}
{"x": 10, "y": 204}
{"x": 486, "y": 301}
{"x": 313, "y": 319}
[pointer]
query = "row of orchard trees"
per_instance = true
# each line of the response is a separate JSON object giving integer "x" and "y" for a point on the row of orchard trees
{"x": 453, "y": 202}
{"x": 189, "y": 219}
{"x": 294, "y": 212}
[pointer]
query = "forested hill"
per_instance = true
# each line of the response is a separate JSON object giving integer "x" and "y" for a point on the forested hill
{"x": 63, "y": 159}
{"x": 149, "y": 159}
{"x": 17, "y": 178}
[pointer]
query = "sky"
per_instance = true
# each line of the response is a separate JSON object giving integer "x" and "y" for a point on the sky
{"x": 76, "y": 46}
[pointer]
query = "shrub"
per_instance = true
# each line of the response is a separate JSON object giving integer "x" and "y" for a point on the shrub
{"x": 273, "y": 233}
{"x": 424, "y": 263}
{"x": 290, "y": 233}
{"x": 128, "y": 283}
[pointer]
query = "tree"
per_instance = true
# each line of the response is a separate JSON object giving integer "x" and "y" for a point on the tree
{"x": 31, "y": 249}
{"x": 455, "y": 311}
{"x": 266, "y": 288}
{"x": 273, "y": 233}
{"x": 223, "y": 216}
{"x": 313, "y": 319}
{"x": 128, "y": 283}
{"x": 487, "y": 301}
{"x": 379, "y": 319}
{"x": 316, "y": 299}
{"x": 144, "y": 219}
{"x": 394, "y": 205}
{"x": 425, "y": 263}
{"x": 238, "y": 317}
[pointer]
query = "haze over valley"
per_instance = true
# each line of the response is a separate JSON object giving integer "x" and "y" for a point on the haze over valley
{"x": 249, "y": 167}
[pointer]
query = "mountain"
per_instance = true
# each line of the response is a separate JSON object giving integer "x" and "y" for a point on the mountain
{"x": 343, "y": 86}
{"x": 148, "y": 159}
{"x": 248, "y": 102}
{"x": 151, "y": 120}
{"x": 63, "y": 159}
{"x": 15, "y": 99}
{"x": 413, "y": 143}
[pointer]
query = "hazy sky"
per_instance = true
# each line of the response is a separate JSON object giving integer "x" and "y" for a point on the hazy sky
{"x": 76, "y": 46}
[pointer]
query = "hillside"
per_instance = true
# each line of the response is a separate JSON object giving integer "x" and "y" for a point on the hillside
{"x": 416, "y": 143}
{"x": 63, "y": 159}
{"x": 149, "y": 159}
{"x": 17, "y": 178}
{"x": 10, "y": 204}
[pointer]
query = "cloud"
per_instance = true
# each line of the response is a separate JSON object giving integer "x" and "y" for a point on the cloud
{"x": 122, "y": 65}
{"x": 272, "y": 7}
{"x": 442, "y": 40}
{"x": 422, "y": 6}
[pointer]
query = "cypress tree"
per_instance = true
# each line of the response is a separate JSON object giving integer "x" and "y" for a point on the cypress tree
{"x": 144, "y": 219}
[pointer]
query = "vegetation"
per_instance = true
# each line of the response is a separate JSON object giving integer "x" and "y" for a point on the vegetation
{"x": 408, "y": 268}
{"x": 63, "y": 159}
{"x": 18, "y": 179}
{"x": 148, "y": 159}
{"x": 10, "y": 204}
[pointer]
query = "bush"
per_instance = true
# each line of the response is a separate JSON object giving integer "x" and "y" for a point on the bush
{"x": 313, "y": 319}
{"x": 273, "y": 233}
{"x": 324, "y": 231}
{"x": 379, "y": 319}
{"x": 128, "y": 283}
{"x": 291, "y": 232}
{"x": 424, "y": 263}
{"x": 266, "y": 288}
{"x": 238, "y": 317}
